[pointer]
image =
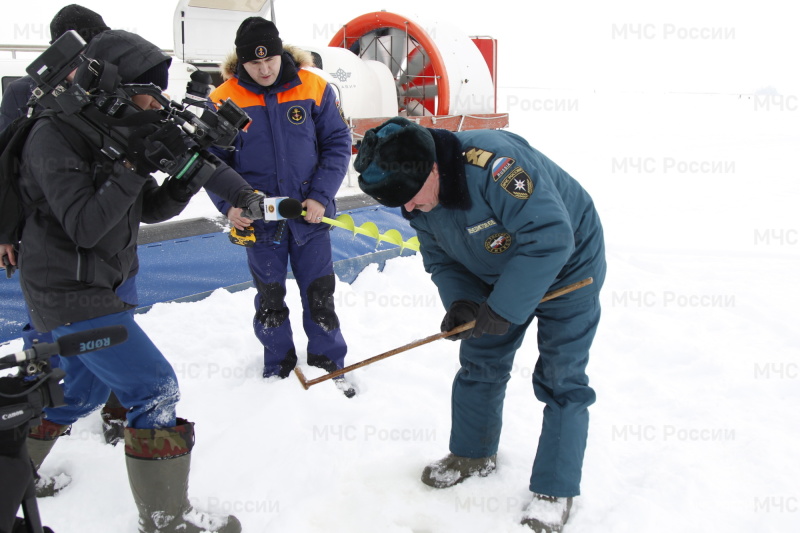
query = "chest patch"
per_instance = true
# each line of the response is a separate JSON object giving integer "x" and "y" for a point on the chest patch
{"x": 497, "y": 243}
{"x": 482, "y": 226}
{"x": 296, "y": 114}
{"x": 518, "y": 184}
{"x": 478, "y": 157}
{"x": 500, "y": 166}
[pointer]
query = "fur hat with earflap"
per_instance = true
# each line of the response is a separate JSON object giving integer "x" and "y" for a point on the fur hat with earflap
{"x": 394, "y": 161}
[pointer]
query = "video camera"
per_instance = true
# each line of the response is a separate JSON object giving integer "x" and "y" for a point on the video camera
{"x": 23, "y": 397}
{"x": 86, "y": 94}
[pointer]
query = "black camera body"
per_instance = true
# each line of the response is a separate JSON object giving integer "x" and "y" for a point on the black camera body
{"x": 24, "y": 397}
{"x": 101, "y": 109}
{"x": 22, "y": 401}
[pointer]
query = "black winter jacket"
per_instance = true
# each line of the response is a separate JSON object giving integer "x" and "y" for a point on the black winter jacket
{"x": 81, "y": 222}
{"x": 82, "y": 212}
{"x": 15, "y": 100}
{"x": 81, "y": 226}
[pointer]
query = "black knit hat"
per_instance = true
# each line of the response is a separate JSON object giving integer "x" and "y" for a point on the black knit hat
{"x": 74, "y": 17}
{"x": 394, "y": 161}
{"x": 257, "y": 38}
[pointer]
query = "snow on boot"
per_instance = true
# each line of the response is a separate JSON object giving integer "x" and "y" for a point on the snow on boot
{"x": 47, "y": 486}
{"x": 158, "y": 470}
{"x": 454, "y": 469}
{"x": 546, "y": 514}
{"x": 345, "y": 386}
{"x": 114, "y": 422}
{"x": 41, "y": 440}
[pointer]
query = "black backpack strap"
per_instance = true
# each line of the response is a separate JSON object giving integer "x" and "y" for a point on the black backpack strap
{"x": 12, "y": 140}
{"x": 77, "y": 141}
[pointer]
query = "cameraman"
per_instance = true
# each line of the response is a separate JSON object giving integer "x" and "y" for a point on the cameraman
{"x": 13, "y": 105}
{"x": 78, "y": 244}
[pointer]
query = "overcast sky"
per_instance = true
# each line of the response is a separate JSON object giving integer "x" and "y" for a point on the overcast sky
{"x": 687, "y": 46}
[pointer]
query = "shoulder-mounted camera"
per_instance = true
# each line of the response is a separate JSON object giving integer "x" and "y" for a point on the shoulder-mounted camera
{"x": 88, "y": 95}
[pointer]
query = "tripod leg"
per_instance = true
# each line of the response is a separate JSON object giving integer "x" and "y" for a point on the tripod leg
{"x": 30, "y": 509}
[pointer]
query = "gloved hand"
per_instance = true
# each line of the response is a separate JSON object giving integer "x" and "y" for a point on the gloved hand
{"x": 8, "y": 259}
{"x": 488, "y": 322}
{"x": 460, "y": 312}
{"x": 156, "y": 147}
{"x": 252, "y": 204}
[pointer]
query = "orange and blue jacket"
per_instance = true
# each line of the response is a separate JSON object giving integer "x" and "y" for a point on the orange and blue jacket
{"x": 297, "y": 145}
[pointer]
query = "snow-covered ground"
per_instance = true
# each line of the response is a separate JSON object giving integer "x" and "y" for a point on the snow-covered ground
{"x": 695, "y": 365}
{"x": 696, "y": 362}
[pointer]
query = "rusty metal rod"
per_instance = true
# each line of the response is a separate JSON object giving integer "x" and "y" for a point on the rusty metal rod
{"x": 469, "y": 325}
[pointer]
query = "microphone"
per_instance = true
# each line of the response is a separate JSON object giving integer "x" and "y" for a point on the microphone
{"x": 199, "y": 85}
{"x": 91, "y": 340}
{"x": 73, "y": 344}
{"x": 281, "y": 207}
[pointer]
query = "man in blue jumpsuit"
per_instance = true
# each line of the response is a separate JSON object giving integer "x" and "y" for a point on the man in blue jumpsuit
{"x": 500, "y": 225}
{"x": 298, "y": 146}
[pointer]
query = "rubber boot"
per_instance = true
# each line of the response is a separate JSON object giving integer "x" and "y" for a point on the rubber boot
{"x": 41, "y": 440}
{"x": 158, "y": 463}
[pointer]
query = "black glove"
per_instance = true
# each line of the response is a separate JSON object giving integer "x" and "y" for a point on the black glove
{"x": 460, "y": 312}
{"x": 8, "y": 266}
{"x": 488, "y": 322}
{"x": 252, "y": 205}
{"x": 152, "y": 147}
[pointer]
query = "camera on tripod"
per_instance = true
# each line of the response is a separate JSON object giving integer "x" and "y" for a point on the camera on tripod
{"x": 87, "y": 94}
{"x": 25, "y": 396}
{"x": 23, "y": 399}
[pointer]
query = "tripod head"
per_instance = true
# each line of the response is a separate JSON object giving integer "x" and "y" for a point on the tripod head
{"x": 23, "y": 397}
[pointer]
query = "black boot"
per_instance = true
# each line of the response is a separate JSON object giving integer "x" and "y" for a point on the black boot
{"x": 115, "y": 418}
{"x": 41, "y": 440}
{"x": 546, "y": 514}
{"x": 453, "y": 469}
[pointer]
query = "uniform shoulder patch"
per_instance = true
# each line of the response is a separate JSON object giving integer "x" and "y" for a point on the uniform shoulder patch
{"x": 500, "y": 166}
{"x": 518, "y": 184}
{"x": 341, "y": 112}
{"x": 478, "y": 157}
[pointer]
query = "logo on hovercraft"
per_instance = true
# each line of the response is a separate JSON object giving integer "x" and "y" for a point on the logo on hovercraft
{"x": 341, "y": 75}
